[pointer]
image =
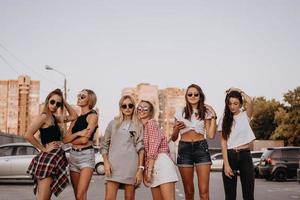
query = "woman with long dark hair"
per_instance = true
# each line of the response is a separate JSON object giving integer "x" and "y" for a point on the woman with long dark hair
{"x": 195, "y": 122}
{"x": 236, "y": 139}
{"x": 49, "y": 168}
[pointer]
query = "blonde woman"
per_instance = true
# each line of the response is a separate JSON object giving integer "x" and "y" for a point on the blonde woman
{"x": 80, "y": 134}
{"x": 123, "y": 151}
{"x": 160, "y": 172}
{"x": 49, "y": 168}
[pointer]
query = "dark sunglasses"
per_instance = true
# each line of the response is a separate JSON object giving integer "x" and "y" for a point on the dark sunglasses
{"x": 191, "y": 94}
{"x": 142, "y": 109}
{"x": 56, "y": 103}
{"x": 81, "y": 96}
{"x": 130, "y": 106}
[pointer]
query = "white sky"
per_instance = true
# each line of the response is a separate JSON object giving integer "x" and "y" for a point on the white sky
{"x": 108, "y": 45}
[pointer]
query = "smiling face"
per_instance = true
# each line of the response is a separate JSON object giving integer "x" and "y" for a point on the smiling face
{"x": 83, "y": 99}
{"x": 234, "y": 105}
{"x": 127, "y": 108}
{"x": 144, "y": 110}
{"x": 55, "y": 101}
{"x": 193, "y": 96}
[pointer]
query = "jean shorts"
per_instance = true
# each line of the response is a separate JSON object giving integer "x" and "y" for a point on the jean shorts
{"x": 81, "y": 159}
{"x": 193, "y": 153}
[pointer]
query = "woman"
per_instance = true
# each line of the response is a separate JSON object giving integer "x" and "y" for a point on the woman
{"x": 49, "y": 168}
{"x": 160, "y": 172}
{"x": 235, "y": 142}
{"x": 81, "y": 134}
{"x": 195, "y": 122}
{"x": 123, "y": 151}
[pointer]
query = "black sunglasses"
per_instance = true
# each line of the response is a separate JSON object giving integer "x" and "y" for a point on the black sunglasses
{"x": 81, "y": 96}
{"x": 130, "y": 106}
{"x": 56, "y": 103}
{"x": 191, "y": 94}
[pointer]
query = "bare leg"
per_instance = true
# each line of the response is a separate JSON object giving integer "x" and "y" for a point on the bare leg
{"x": 187, "y": 176}
{"x": 83, "y": 183}
{"x": 44, "y": 189}
{"x": 111, "y": 190}
{"x": 168, "y": 191}
{"x": 129, "y": 192}
{"x": 74, "y": 180}
{"x": 203, "y": 173}
{"x": 156, "y": 194}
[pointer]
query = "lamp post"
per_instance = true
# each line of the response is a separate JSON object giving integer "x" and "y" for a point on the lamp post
{"x": 47, "y": 67}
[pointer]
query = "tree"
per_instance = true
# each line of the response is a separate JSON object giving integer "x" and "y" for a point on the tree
{"x": 288, "y": 119}
{"x": 263, "y": 122}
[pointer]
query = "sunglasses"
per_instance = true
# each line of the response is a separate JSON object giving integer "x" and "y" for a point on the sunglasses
{"x": 130, "y": 106}
{"x": 56, "y": 103}
{"x": 81, "y": 96}
{"x": 191, "y": 94}
{"x": 142, "y": 109}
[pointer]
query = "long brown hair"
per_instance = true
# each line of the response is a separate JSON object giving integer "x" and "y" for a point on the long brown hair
{"x": 188, "y": 109}
{"x": 228, "y": 115}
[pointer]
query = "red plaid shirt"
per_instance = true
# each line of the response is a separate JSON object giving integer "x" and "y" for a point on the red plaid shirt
{"x": 155, "y": 140}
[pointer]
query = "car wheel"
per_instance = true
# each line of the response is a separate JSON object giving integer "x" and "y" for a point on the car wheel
{"x": 280, "y": 174}
{"x": 99, "y": 168}
{"x": 268, "y": 177}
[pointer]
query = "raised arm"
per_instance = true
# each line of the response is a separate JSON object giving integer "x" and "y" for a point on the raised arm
{"x": 72, "y": 115}
{"x": 248, "y": 99}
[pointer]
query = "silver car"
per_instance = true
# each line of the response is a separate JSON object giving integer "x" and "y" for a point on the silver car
{"x": 14, "y": 161}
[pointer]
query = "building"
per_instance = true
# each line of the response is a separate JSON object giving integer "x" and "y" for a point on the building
{"x": 166, "y": 101}
{"x": 19, "y": 103}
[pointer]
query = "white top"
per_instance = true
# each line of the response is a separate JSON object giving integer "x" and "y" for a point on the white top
{"x": 194, "y": 124}
{"x": 241, "y": 132}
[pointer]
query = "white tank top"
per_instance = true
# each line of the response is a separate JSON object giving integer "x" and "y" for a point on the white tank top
{"x": 241, "y": 132}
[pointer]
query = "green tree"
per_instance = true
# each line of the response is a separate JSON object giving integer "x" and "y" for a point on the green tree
{"x": 263, "y": 122}
{"x": 288, "y": 119}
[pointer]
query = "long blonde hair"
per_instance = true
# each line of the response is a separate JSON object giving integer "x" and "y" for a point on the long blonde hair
{"x": 120, "y": 118}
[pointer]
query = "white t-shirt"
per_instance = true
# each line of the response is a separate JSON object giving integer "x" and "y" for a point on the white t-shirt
{"x": 241, "y": 132}
{"x": 194, "y": 124}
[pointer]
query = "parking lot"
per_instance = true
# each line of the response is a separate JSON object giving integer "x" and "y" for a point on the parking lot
{"x": 263, "y": 190}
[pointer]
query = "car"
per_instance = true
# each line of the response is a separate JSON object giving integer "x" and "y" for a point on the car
{"x": 14, "y": 161}
{"x": 256, "y": 155}
{"x": 99, "y": 163}
{"x": 217, "y": 161}
{"x": 279, "y": 163}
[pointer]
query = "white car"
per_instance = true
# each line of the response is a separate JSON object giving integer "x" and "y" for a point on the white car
{"x": 14, "y": 161}
{"x": 217, "y": 162}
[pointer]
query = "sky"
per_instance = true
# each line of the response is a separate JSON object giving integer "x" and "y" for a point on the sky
{"x": 110, "y": 45}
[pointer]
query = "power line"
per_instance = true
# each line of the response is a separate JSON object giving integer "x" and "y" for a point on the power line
{"x": 30, "y": 68}
{"x": 4, "y": 60}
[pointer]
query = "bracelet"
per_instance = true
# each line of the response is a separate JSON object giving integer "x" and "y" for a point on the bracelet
{"x": 141, "y": 167}
{"x": 214, "y": 117}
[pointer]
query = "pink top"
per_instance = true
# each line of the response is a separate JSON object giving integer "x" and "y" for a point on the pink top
{"x": 155, "y": 141}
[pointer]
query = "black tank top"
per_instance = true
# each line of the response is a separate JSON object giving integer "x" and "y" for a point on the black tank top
{"x": 51, "y": 133}
{"x": 81, "y": 123}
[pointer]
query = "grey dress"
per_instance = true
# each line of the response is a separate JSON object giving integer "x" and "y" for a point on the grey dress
{"x": 122, "y": 146}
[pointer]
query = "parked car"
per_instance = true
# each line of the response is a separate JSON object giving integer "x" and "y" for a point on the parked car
{"x": 99, "y": 163}
{"x": 279, "y": 163}
{"x": 217, "y": 161}
{"x": 14, "y": 161}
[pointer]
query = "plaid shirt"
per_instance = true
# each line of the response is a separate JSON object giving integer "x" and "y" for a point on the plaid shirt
{"x": 53, "y": 164}
{"x": 155, "y": 140}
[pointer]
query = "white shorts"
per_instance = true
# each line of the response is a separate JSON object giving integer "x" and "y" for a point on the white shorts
{"x": 164, "y": 170}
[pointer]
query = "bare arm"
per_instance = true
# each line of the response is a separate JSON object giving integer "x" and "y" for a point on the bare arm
{"x": 211, "y": 124}
{"x": 227, "y": 169}
{"x": 33, "y": 128}
{"x": 72, "y": 114}
{"x": 176, "y": 129}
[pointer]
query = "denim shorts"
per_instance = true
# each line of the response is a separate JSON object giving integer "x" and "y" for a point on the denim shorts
{"x": 81, "y": 159}
{"x": 193, "y": 153}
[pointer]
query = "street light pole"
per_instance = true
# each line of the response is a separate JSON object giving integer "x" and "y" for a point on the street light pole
{"x": 47, "y": 67}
